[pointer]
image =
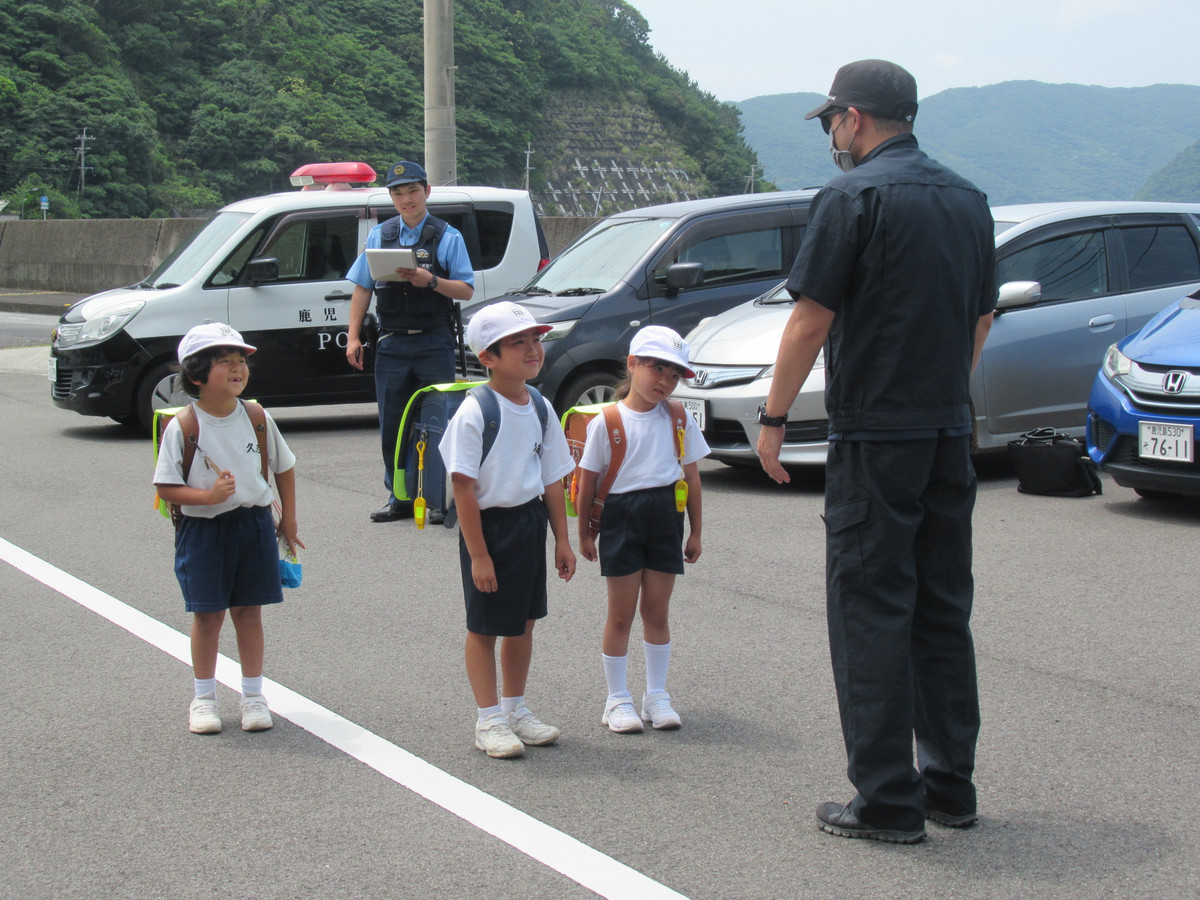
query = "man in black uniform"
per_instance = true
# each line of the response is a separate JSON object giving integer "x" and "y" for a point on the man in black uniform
{"x": 897, "y": 276}
{"x": 416, "y": 316}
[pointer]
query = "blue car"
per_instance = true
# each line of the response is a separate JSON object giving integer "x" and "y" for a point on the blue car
{"x": 1144, "y": 410}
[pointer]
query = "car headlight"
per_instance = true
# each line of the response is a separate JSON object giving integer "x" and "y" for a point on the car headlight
{"x": 560, "y": 330}
{"x": 105, "y": 326}
{"x": 818, "y": 363}
{"x": 1116, "y": 363}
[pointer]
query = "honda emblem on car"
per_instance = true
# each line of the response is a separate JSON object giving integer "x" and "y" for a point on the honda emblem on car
{"x": 1174, "y": 381}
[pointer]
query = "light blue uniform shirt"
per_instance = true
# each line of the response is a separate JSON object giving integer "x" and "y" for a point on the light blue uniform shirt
{"x": 451, "y": 253}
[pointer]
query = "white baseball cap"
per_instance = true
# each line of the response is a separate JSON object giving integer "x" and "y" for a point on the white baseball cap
{"x": 211, "y": 334}
{"x": 498, "y": 321}
{"x": 660, "y": 342}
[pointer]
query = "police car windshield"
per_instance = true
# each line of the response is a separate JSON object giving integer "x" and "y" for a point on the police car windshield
{"x": 187, "y": 259}
{"x": 600, "y": 257}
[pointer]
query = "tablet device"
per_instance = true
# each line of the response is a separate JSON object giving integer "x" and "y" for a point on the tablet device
{"x": 383, "y": 263}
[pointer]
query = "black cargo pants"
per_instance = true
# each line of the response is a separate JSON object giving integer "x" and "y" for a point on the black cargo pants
{"x": 899, "y": 591}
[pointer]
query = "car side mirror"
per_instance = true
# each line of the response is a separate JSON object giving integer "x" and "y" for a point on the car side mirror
{"x": 261, "y": 270}
{"x": 681, "y": 276}
{"x": 1018, "y": 293}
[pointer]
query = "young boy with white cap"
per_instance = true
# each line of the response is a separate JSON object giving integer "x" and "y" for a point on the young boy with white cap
{"x": 505, "y": 504}
{"x": 226, "y": 556}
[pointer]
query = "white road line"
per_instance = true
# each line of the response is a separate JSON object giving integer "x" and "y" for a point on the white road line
{"x": 549, "y": 846}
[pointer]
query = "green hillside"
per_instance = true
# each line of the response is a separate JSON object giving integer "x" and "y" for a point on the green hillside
{"x": 1021, "y": 141}
{"x": 163, "y": 107}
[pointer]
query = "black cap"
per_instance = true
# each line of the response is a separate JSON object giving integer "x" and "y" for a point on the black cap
{"x": 875, "y": 86}
{"x": 405, "y": 172}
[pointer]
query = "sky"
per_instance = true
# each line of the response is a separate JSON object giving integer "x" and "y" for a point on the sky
{"x": 750, "y": 48}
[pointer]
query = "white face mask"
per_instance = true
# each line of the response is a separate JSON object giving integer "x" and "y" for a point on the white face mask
{"x": 841, "y": 158}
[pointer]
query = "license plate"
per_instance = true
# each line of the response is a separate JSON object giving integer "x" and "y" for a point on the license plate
{"x": 696, "y": 408}
{"x": 52, "y": 369}
{"x": 1159, "y": 440}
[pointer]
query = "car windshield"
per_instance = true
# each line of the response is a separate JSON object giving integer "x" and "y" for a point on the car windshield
{"x": 600, "y": 258}
{"x": 185, "y": 262}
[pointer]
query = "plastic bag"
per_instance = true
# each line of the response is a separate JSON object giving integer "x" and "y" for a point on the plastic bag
{"x": 291, "y": 572}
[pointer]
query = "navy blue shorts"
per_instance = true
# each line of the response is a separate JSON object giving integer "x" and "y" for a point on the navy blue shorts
{"x": 641, "y": 530}
{"x": 516, "y": 541}
{"x": 232, "y": 560}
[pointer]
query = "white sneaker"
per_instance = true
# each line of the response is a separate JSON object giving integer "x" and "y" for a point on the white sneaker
{"x": 256, "y": 716}
{"x": 656, "y": 709}
{"x": 529, "y": 728}
{"x": 620, "y": 716}
{"x": 203, "y": 718}
{"x": 494, "y": 736}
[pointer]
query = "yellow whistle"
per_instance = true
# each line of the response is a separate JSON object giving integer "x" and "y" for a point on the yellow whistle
{"x": 419, "y": 503}
{"x": 681, "y": 495}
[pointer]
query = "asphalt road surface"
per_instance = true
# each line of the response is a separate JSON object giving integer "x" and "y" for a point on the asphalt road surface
{"x": 369, "y": 785}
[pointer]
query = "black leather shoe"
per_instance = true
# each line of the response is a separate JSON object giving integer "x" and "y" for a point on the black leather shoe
{"x": 836, "y": 818}
{"x": 966, "y": 820}
{"x": 392, "y": 510}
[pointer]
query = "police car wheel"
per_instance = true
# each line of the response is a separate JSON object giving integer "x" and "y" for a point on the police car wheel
{"x": 158, "y": 390}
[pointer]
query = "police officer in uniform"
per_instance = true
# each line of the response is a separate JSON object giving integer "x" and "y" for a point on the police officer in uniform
{"x": 417, "y": 338}
{"x": 896, "y": 279}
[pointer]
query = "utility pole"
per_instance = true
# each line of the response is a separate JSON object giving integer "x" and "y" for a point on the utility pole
{"x": 528, "y": 153}
{"x": 441, "y": 152}
{"x": 753, "y": 180}
{"x": 81, "y": 152}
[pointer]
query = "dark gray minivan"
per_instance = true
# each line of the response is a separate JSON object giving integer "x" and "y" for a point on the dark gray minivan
{"x": 672, "y": 265}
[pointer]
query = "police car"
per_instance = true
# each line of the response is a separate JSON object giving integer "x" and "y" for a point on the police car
{"x": 274, "y": 268}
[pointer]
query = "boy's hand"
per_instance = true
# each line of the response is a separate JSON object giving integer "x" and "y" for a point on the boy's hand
{"x": 223, "y": 488}
{"x": 483, "y": 573}
{"x": 287, "y": 531}
{"x": 691, "y": 549}
{"x": 564, "y": 560}
{"x": 587, "y": 545}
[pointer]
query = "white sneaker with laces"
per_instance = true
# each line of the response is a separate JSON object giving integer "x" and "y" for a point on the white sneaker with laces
{"x": 529, "y": 728}
{"x": 656, "y": 709}
{"x": 256, "y": 716}
{"x": 620, "y": 716}
{"x": 494, "y": 736}
{"x": 203, "y": 718}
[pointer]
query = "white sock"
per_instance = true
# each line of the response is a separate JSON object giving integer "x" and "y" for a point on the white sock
{"x": 489, "y": 711}
{"x": 252, "y": 687}
{"x": 658, "y": 657}
{"x": 508, "y": 704}
{"x": 206, "y": 688}
{"x": 615, "y": 669}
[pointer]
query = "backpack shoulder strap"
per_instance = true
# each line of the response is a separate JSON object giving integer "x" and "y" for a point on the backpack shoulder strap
{"x": 189, "y": 425}
{"x": 258, "y": 418}
{"x": 616, "y": 441}
{"x": 490, "y": 406}
{"x": 540, "y": 404}
{"x": 678, "y": 425}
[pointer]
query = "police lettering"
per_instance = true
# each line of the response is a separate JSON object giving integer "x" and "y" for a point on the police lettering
{"x": 340, "y": 340}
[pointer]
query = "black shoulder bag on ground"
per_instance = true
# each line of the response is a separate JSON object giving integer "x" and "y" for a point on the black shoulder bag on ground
{"x": 1052, "y": 463}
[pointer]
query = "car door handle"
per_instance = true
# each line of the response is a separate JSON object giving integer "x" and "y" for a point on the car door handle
{"x": 336, "y": 297}
{"x": 1103, "y": 321}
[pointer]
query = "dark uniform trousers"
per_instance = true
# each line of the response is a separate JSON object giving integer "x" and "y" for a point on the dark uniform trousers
{"x": 405, "y": 363}
{"x": 899, "y": 590}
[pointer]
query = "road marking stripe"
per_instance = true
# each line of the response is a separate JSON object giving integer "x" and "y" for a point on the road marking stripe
{"x": 549, "y": 846}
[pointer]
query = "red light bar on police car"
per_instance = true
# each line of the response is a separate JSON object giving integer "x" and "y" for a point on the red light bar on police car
{"x": 333, "y": 173}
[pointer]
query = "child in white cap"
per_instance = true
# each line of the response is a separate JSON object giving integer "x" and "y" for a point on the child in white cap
{"x": 226, "y": 554}
{"x": 505, "y": 503}
{"x": 641, "y": 537}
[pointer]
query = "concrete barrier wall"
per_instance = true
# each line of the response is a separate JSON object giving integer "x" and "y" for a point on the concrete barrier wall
{"x": 86, "y": 255}
{"x": 90, "y": 255}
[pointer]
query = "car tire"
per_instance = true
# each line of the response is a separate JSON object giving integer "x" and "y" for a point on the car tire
{"x": 591, "y": 387}
{"x": 158, "y": 390}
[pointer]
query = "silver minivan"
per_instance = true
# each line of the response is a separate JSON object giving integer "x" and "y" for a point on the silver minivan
{"x": 274, "y": 268}
{"x": 1075, "y": 277}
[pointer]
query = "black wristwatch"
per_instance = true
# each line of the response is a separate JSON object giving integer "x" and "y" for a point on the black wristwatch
{"x": 433, "y": 282}
{"x": 770, "y": 421}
